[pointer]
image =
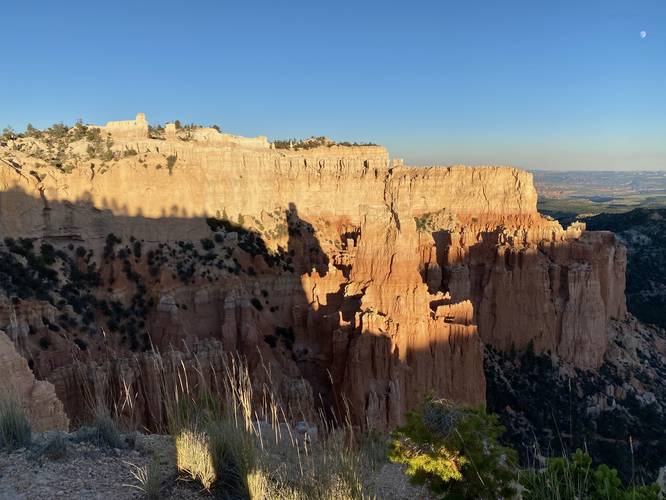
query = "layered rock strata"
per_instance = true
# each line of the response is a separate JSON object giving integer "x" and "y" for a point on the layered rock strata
{"x": 374, "y": 282}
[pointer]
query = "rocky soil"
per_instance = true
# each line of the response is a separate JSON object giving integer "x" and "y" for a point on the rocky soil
{"x": 82, "y": 470}
{"x": 86, "y": 470}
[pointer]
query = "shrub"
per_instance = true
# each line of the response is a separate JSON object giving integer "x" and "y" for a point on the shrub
{"x": 106, "y": 430}
{"x": 287, "y": 335}
{"x": 575, "y": 477}
{"x": 81, "y": 344}
{"x": 48, "y": 253}
{"x": 8, "y": 133}
{"x": 56, "y": 447}
{"x": 136, "y": 249}
{"x": 455, "y": 451}
{"x": 111, "y": 241}
{"x": 14, "y": 426}
{"x": 207, "y": 244}
{"x": 171, "y": 162}
{"x": 31, "y": 131}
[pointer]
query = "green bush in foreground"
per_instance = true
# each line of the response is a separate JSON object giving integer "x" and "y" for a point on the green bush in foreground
{"x": 576, "y": 478}
{"x": 455, "y": 451}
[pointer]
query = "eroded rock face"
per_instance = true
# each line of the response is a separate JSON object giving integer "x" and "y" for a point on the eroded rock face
{"x": 38, "y": 397}
{"x": 532, "y": 283}
{"x": 369, "y": 282}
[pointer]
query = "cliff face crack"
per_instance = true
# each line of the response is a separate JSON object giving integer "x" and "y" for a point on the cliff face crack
{"x": 390, "y": 202}
{"x": 483, "y": 192}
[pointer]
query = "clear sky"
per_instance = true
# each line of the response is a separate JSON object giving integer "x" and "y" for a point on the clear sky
{"x": 537, "y": 84}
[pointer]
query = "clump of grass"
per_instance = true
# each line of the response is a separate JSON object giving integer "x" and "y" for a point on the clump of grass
{"x": 106, "y": 431}
{"x": 56, "y": 447}
{"x": 337, "y": 468}
{"x": 194, "y": 458}
{"x": 15, "y": 429}
{"x": 235, "y": 459}
{"x": 220, "y": 443}
{"x": 148, "y": 478}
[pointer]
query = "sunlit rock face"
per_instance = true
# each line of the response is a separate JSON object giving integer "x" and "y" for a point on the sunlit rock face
{"x": 362, "y": 282}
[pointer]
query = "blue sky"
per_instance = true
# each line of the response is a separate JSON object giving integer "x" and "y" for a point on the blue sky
{"x": 545, "y": 85}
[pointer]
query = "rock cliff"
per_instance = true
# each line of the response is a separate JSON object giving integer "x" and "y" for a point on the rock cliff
{"x": 373, "y": 282}
{"x": 38, "y": 398}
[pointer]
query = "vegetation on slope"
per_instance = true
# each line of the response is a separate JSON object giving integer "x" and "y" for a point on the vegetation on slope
{"x": 643, "y": 231}
{"x": 314, "y": 142}
{"x": 549, "y": 410}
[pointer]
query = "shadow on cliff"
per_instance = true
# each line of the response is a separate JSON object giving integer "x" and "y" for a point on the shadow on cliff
{"x": 521, "y": 299}
{"x": 90, "y": 284}
{"x": 94, "y": 285}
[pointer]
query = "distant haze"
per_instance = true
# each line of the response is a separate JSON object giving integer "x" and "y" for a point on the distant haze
{"x": 545, "y": 85}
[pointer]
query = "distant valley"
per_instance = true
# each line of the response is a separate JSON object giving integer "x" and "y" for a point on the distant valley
{"x": 632, "y": 205}
{"x": 567, "y": 195}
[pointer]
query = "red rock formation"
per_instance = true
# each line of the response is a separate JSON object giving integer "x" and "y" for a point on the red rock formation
{"x": 390, "y": 278}
{"x": 398, "y": 348}
{"x": 38, "y": 398}
{"x": 533, "y": 284}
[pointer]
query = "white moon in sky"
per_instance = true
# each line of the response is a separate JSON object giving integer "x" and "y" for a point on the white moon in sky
{"x": 643, "y": 34}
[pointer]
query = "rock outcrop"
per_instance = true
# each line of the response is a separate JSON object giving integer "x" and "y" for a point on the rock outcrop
{"x": 38, "y": 397}
{"x": 373, "y": 282}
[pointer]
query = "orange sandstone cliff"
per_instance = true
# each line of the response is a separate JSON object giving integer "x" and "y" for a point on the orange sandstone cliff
{"x": 358, "y": 280}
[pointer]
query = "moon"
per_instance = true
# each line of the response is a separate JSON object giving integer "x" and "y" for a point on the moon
{"x": 643, "y": 34}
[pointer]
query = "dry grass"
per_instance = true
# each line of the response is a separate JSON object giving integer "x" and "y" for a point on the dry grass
{"x": 106, "y": 429}
{"x": 148, "y": 479}
{"x": 15, "y": 429}
{"x": 222, "y": 444}
{"x": 238, "y": 437}
{"x": 194, "y": 458}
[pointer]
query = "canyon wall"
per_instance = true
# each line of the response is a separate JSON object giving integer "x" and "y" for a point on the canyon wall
{"x": 375, "y": 283}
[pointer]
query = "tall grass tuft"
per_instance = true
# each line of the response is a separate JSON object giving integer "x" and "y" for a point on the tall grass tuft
{"x": 148, "y": 479}
{"x": 193, "y": 457}
{"x": 106, "y": 429}
{"x": 15, "y": 429}
{"x": 235, "y": 456}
